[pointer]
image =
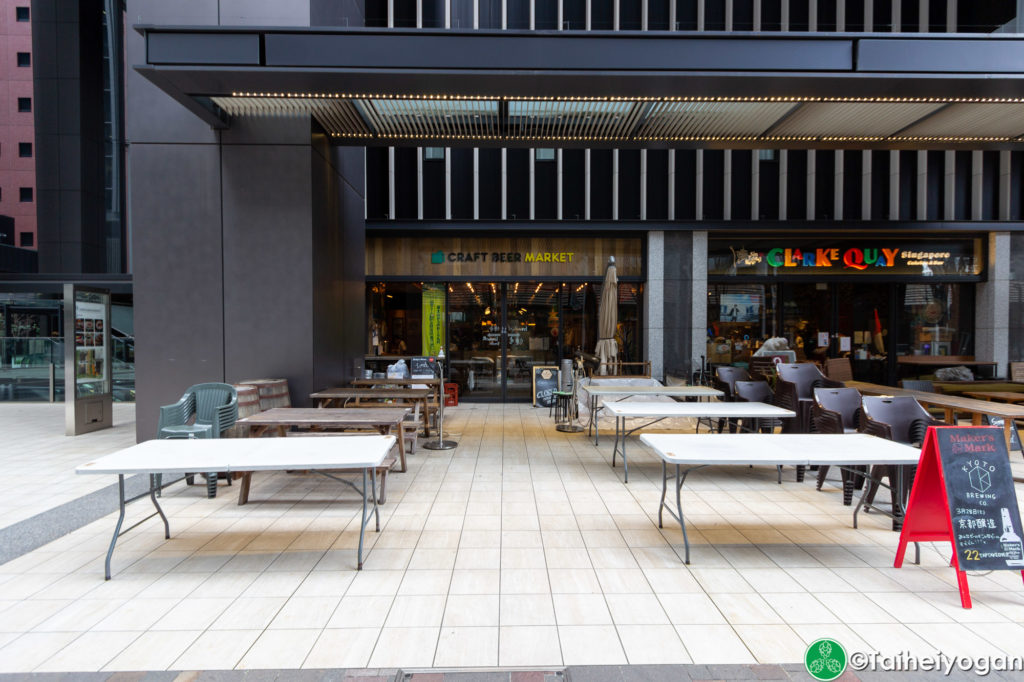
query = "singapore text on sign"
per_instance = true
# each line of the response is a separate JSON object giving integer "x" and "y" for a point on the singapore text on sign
{"x": 845, "y": 257}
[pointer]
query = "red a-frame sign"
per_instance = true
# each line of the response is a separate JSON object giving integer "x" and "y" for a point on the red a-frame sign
{"x": 963, "y": 477}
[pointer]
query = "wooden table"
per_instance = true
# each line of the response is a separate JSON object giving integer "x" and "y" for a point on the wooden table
{"x": 951, "y": 404}
{"x": 182, "y": 456}
{"x": 434, "y": 384}
{"x": 386, "y": 420}
{"x": 354, "y": 397}
{"x": 1001, "y": 396}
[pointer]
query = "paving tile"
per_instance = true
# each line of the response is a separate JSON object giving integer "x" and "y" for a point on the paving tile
{"x": 520, "y": 548}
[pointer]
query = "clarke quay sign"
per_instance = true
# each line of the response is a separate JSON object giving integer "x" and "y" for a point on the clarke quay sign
{"x": 957, "y": 258}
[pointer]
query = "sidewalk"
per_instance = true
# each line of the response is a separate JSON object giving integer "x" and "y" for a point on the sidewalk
{"x": 520, "y": 548}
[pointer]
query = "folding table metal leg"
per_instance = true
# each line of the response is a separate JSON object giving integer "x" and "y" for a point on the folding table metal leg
{"x": 625, "y": 462}
{"x": 362, "y": 525}
{"x": 122, "y": 503}
{"x": 679, "y": 479}
{"x": 117, "y": 528}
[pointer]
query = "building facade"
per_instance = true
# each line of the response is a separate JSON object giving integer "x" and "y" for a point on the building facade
{"x": 270, "y": 239}
{"x": 17, "y": 127}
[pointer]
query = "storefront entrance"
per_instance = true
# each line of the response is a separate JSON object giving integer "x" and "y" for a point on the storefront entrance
{"x": 501, "y": 306}
{"x": 497, "y": 333}
{"x": 874, "y": 301}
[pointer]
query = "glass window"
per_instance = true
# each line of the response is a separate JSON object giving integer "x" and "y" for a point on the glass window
{"x": 27, "y": 239}
{"x": 740, "y": 316}
{"x": 433, "y": 153}
{"x": 395, "y": 314}
{"x": 25, "y": 150}
{"x": 22, "y": 14}
{"x": 462, "y": 14}
{"x": 25, "y": 194}
{"x": 936, "y": 319}
{"x": 545, "y": 154}
{"x": 24, "y": 59}
{"x": 24, "y": 105}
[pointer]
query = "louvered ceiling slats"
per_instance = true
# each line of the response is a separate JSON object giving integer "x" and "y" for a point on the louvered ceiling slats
{"x": 536, "y": 121}
{"x": 974, "y": 120}
{"x": 864, "y": 119}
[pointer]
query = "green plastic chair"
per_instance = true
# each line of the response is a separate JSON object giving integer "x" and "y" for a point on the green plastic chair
{"x": 204, "y": 411}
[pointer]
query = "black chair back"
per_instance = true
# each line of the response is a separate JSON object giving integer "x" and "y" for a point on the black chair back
{"x": 754, "y": 392}
{"x": 898, "y": 418}
{"x": 726, "y": 378}
{"x": 844, "y": 402}
{"x": 804, "y": 375}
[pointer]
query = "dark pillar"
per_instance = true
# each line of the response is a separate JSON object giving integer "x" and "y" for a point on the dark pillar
{"x": 1016, "y": 322}
{"x": 678, "y": 303}
{"x": 67, "y": 50}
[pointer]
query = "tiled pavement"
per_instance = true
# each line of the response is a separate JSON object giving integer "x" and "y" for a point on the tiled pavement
{"x": 520, "y": 548}
{"x": 39, "y": 460}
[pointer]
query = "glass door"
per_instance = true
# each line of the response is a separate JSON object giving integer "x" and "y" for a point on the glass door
{"x": 806, "y": 310}
{"x": 497, "y": 333}
{"x": 476, "y": 322}
{"x": 532, "y": 338}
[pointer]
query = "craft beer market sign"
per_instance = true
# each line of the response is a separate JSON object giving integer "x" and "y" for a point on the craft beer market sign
{"x": 455, "y": 257}
{"x": 865, "y": 257}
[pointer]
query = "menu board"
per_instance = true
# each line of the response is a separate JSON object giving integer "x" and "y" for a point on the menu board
{"x": 91, "y": 363}
{"x": 982, "y": 502}
{"x": 423, "y": 367}
{"x": 545, "y": 383}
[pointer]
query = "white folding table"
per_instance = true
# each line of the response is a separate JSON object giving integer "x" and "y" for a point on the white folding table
{"x": 695, "y": 451}
{"x": 607, "y": 391}
{"x": 656, "y": 412}
{"x": 181, "y": 456}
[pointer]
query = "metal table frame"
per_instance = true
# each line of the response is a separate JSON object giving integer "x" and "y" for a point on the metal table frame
{"x": 679, "y": 478}
{"x": 756, "y": 411}
{"x": 630, "y": 391}
{"x": 369, "y": 506}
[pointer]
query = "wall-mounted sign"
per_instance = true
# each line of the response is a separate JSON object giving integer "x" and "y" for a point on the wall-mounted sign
{"x": 864, "y": 257}
{"x": 447, "y": 257}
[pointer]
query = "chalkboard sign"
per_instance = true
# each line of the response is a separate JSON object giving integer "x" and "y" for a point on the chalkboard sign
{"x": 423, "y": 367}
{"x": 545, "y": 383}
{"x": 982, "y": 502}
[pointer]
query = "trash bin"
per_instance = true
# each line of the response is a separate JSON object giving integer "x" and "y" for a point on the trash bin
{"x": 451, "y": 395}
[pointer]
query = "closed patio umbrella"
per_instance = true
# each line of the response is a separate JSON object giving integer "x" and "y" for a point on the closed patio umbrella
{"x": 607, "y": 318}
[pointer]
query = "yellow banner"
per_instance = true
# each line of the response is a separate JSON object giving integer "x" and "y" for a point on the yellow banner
{"x": 433, "y": 318}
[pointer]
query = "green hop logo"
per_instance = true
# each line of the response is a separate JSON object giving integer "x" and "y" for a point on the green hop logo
{"x": 825, "y": 659}
{"x": 437, "y": 257}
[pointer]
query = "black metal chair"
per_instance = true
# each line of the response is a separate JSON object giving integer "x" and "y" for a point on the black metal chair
{"x": 838, "y": 410}
{"x": 900, "y": 419}
{"x": 761, "y": 392}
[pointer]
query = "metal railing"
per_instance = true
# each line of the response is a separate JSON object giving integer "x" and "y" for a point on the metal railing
{"x": 32, "y": 368}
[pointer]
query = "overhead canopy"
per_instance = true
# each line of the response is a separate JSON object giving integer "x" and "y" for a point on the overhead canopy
{"x": 604, "y": 89}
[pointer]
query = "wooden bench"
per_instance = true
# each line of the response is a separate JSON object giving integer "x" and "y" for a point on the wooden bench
{"x": 380, "y": 471}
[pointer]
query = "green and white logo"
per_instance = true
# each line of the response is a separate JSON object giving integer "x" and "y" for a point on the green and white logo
{"x": 437, "y": 257}
{"x": 825, "y": 659}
